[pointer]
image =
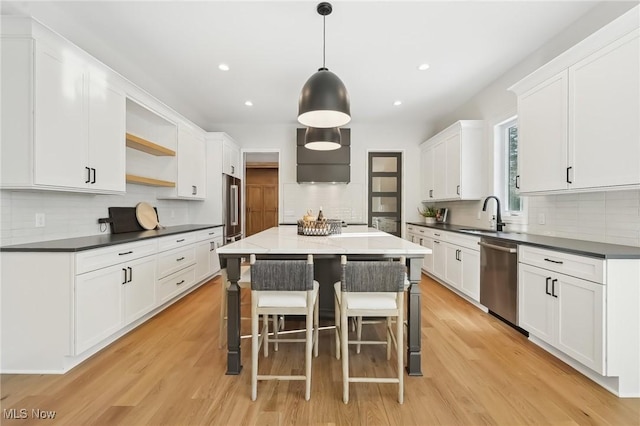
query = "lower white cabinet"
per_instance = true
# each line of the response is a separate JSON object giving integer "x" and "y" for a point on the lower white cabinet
{"x": 108, "y": 299}
{"x": 73, "y": 304}
{"x": 455, "y": 258}
{"x": 98, "y": 302}
{"x": 139, "y": 291}
{"x": 565, "y": 312}
{"x": 207, "y": 260}
{"x": 462, "y": 269}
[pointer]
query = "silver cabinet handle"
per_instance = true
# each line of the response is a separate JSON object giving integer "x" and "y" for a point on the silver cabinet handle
{"x": 499, "y": 248}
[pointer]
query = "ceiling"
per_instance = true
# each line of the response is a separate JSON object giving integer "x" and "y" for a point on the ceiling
{"x": 172, "y": 49}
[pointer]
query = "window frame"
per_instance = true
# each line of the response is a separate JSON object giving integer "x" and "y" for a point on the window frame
{"x": 501, "y": 172}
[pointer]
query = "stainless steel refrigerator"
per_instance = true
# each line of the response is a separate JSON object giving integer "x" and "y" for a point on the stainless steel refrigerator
{"x": 232, "y": 210}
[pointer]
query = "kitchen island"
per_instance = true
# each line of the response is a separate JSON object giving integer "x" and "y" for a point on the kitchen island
{"x": 358, "y": 242}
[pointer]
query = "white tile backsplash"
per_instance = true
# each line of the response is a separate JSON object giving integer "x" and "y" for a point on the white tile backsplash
{"x": 611, "y": 217}
{"x": 69, "y": 215}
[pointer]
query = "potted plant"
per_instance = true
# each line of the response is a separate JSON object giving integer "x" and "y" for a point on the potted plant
{"x": 429, "y": 214}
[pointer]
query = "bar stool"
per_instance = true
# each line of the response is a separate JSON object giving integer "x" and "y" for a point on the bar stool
{"x": 283, "y": 287}
{"x": 370, "y": 289}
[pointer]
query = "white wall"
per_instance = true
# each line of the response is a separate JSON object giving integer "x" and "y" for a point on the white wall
{"x": 612, "y": 217}
{"x": 347, "y": 202}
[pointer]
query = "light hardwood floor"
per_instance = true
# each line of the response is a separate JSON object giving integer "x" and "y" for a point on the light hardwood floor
{"x": 170, "y": 371}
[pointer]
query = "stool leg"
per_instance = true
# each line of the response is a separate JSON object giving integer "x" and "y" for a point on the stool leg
{"x": 307, "y": 353}
{"x": 265, "y": 334}
{"x": 316, "y": 324}
{"x": 254, "y": 354}
{"x": 388, "y": 327}
{"x": 345, "y": 355}
{"x": 336, "y": 321}
{"x": 358, "y": 332}
{"x": 275, "y": 332}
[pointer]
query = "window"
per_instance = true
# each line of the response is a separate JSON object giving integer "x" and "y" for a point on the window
{"x": 506, "y": 170}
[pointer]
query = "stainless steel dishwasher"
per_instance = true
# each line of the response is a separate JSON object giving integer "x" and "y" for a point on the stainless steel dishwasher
{"x": 499, "y": 278}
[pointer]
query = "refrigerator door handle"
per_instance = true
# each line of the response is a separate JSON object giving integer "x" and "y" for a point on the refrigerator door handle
{"x": 234, "y": 205}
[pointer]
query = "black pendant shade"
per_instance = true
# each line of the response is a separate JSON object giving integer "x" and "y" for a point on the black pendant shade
{"x": 324, "y": 100}
{"x": 322, "y": 139}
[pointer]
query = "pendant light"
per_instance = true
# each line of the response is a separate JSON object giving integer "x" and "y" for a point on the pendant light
{"x": 324, "y": 101}
{"x": 320, "y": 139}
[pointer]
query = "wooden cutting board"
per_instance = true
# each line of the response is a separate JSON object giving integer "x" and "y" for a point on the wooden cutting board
{"x": 123, "y": 219}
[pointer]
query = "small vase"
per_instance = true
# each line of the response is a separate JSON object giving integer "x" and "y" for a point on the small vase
{"x": 430, "y": 220}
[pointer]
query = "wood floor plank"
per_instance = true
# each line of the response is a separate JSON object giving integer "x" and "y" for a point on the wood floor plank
{"x": 169, "y": 371}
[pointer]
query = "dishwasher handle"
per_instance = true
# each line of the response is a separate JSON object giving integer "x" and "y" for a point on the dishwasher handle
{"x": 499, "y": 248}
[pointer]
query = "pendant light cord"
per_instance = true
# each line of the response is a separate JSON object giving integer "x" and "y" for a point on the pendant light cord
{"x": 324, "y": 41}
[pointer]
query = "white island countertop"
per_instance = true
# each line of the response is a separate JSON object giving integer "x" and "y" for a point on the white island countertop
{"x": 284, "y": 239}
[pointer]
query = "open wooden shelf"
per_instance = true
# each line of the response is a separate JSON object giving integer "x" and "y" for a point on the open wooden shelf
{"x": 149, "y": 181}
{"x": 149, "y": 147}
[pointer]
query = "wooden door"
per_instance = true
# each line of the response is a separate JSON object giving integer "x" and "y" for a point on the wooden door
{"x": 261, "y": 199}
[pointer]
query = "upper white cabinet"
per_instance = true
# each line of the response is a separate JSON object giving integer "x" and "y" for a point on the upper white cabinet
{"x": 451, "y": 166}
{"x": 191, "y": 166}
{"x": 65, "y": 127}
{"x": 192, "y": 163}
{"x": 579, "y": 125}
{"x": 230, "y": 157}
{"x": 543, "y": 148}
{"x": 604, "y": 111}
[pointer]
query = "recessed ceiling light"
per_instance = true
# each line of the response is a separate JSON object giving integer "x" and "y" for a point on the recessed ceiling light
{"x": 423, "y": 67}
{"x": 223, "y": 67}
{"x": 248, "y": 103}
{"x": 396, "y": 103}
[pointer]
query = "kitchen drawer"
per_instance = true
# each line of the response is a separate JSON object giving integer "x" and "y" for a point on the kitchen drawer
{"x": 174, "y": 284}
{"x": 210, "y": 233}
{"x": 178, "y": 240}
{"x": 91, "y": 260}
{"x": 174, "y": 260}
{"x": 588, "y": 268}
{"x": 463, "y": 240}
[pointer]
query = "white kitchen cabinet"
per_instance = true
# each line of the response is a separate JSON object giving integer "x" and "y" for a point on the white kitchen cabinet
{"x": 139, "y": 290}
{"x": 471, "y": 273}
{"x": 542, "y": 136}
{"x": 439, "y": 257}
{"x": 578, "y": 115}
{"x": 191, "y": 164}
{"x": 65, "y": 128}
{"x": 98, "y": 306}
{"x": 106, "y": 120}
{"x": 230, "y": 157}
{"x": 565, "y": 312}
{"x": 427, "y": 170}
{"x": 207, "y": 260}
{"x": 109, "y": 298}
{"x": 75, "y": 303}
{"x": 451, "y": 169}
{"x": 422, "y": 235}
{"x": 455, "y": 258}
{"x": 604, "y": 106}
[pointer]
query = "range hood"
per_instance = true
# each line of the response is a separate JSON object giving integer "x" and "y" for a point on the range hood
{"x": 324, "y": 166}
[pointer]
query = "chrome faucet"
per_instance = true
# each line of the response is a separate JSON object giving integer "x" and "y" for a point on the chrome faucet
{"x": 499, "y": 222}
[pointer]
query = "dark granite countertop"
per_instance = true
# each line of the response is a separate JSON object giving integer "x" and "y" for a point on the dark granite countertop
{"x": 579, "y": 247}
{"x": 97, "y": 241}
